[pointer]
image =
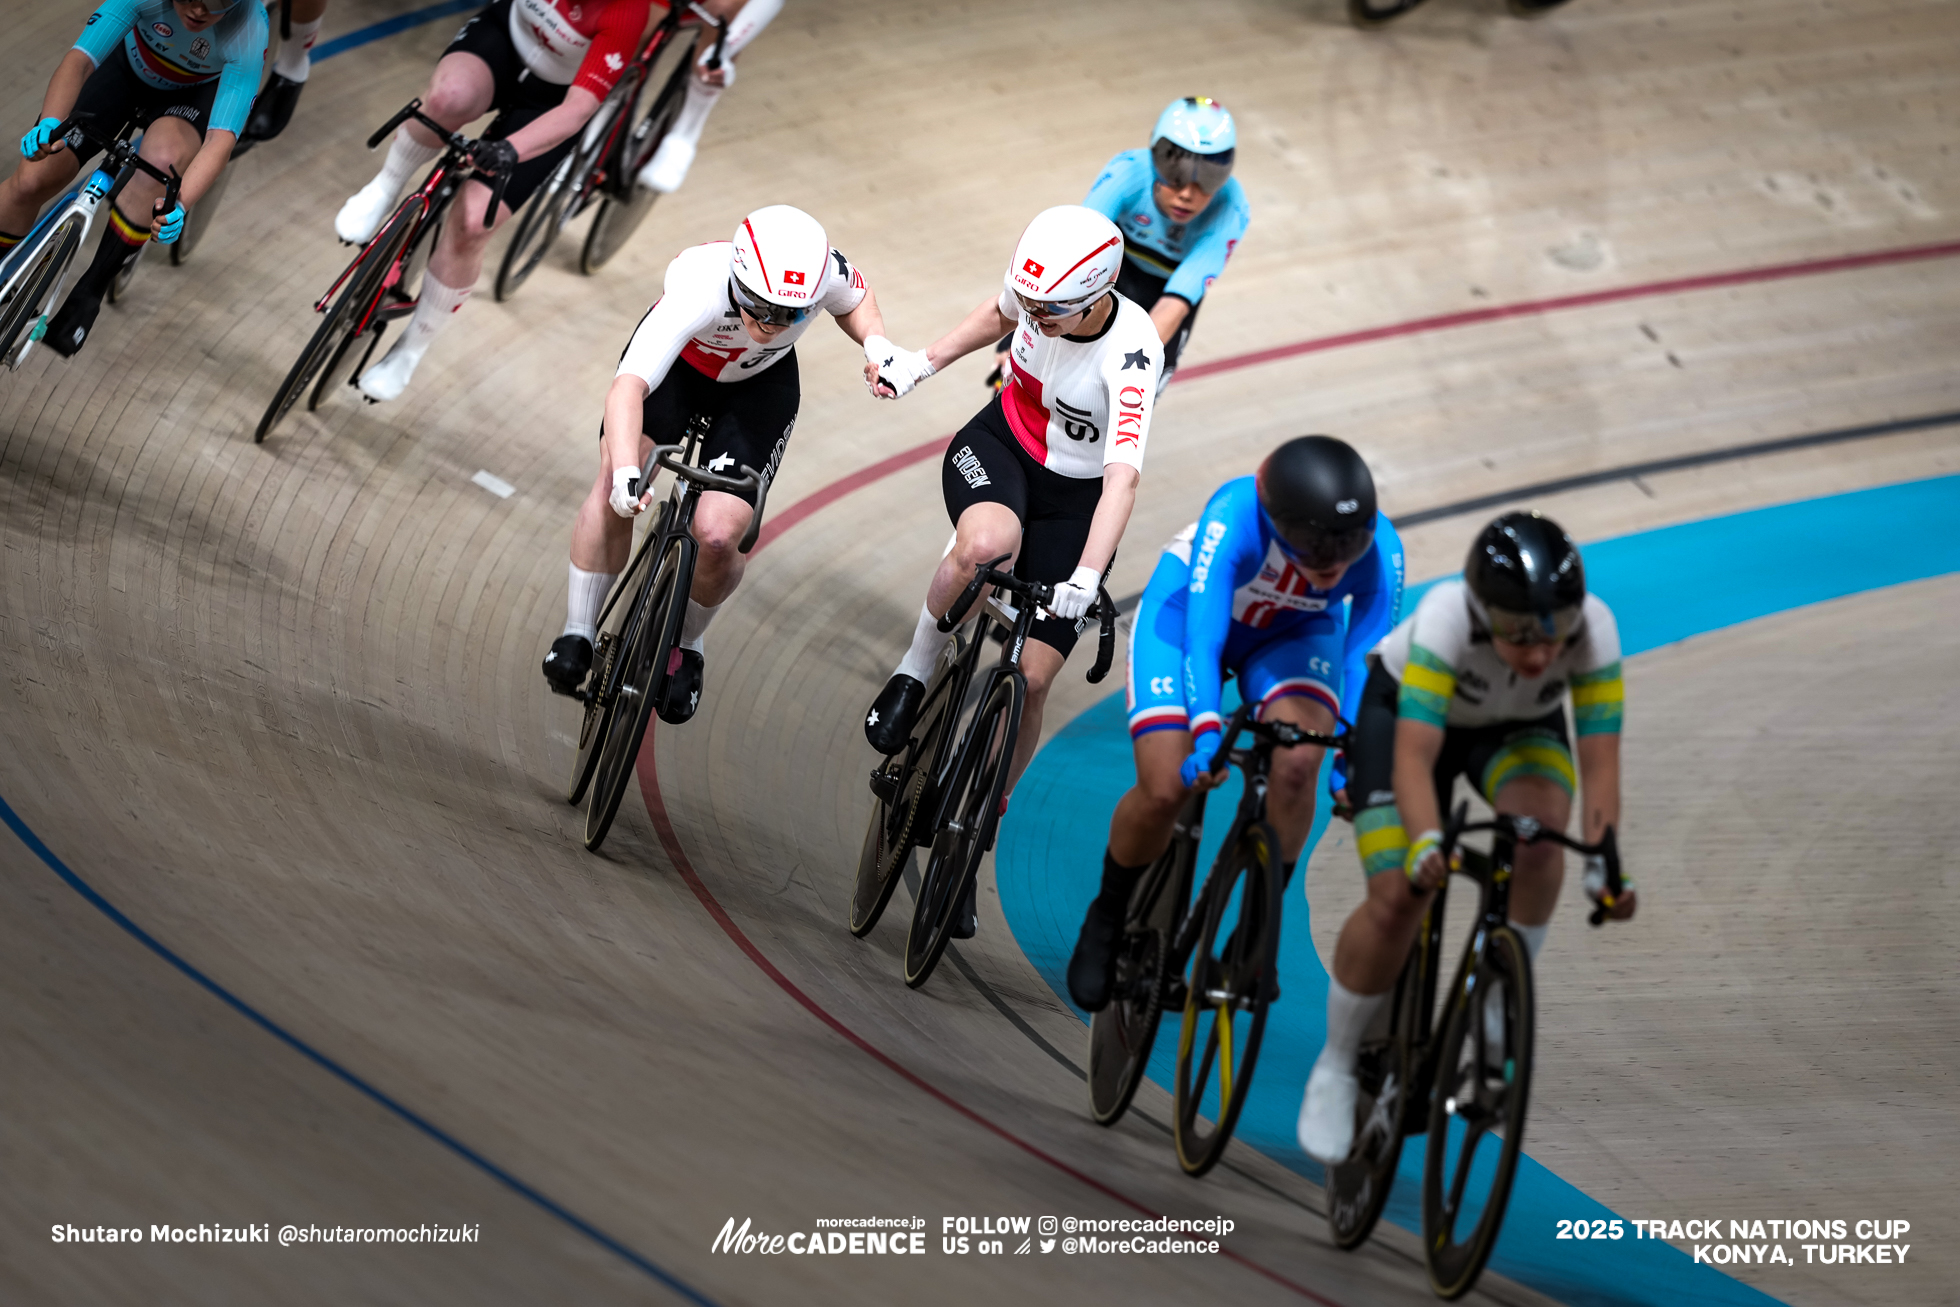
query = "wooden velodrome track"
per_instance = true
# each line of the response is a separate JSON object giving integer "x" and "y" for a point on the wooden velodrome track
{"x": 279, "y": 706}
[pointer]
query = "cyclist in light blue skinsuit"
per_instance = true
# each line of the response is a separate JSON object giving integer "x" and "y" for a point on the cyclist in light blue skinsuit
{"x": 1181, "y": 214}
{"x": 1288, "y": 579}
{"x": 182, "y": 70}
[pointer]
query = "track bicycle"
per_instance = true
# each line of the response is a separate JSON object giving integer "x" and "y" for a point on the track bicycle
{"x": 640, "y": 629}
{"x": 1465, "y": 1083}
{"x": 379, "y": 286}
{"x": 32, "y": 274}
{"x": 601, "y": 169}
{"x": 1376, "y": 13}
{"x": 943, "y": 790}
{"x": 1215, "y": 959}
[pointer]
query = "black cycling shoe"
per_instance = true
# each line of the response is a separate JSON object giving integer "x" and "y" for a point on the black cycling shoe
{"x": 1092, "y": 967}
{"x": 68, "y": 330}
{"x": 273, "y": 108}
{"x": 683, "y": 694}
{"x": 889, "y": 724}
{"x": 966, "y": 923}
{"x": 567, "y": 663}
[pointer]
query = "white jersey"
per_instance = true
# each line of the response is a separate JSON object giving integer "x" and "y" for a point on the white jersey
{"x": 1078, "y": 405}
{"x": 1453, "y": 677}
{"x": 694, "y": 319}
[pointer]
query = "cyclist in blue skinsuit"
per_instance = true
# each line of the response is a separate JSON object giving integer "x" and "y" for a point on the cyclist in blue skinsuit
{"x": 1181, "y": 214}
{"x": 184, "y": 71}
{"x": 1288, "y": 579}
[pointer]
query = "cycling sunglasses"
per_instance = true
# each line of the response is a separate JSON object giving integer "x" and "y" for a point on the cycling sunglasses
{"x": 1056, "y": 310}
{"x": 1535, "y": 628}
{"x": 773, "y": 315}
{"x": 1177, "y": 167}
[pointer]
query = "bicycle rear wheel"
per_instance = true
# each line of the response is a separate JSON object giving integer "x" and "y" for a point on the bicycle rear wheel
{"x": 365, "y": 285}
{"x": 907, "y": 777}
{"x": 624, "y": 203}
{"x": 1226, "y": 996}
{"x": 1476, "y": 1117}
{"x": 1123, "y": 1033}
{"x": 1374, "y": 13}
{"x": 652, "y": 632}
{"x": 968, "y": 813}
{"x": 26, "y": 311}
{"x": 1358, "y": 1188}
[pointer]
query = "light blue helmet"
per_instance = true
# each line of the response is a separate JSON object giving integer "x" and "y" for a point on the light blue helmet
{"x": 1195, "y": 140}
{"x": 1197, "y": 123}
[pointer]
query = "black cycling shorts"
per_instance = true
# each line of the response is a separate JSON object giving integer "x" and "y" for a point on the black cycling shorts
{"x": 117, "y": 100}
{"x": 1146, "y": 289}
{"x": 1468, "y": 751}
{"x": 753, "y": 417}
{"x": 986, "y": 464}
{"x": 520, "y": 98}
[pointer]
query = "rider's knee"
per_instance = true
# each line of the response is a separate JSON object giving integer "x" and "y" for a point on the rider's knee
{"x": 1163, "y": 793}
{"x": 982, "y": 545}
{"x": 1295, "y": 771}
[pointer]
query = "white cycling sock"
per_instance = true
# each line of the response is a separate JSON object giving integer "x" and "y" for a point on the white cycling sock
{"x": 1348, "y": 1016}
{"x": 927, "y": 641}
{"x": 433, "y": 310}
{"x": 1533, "y": 937}
{"x": 294, "y": 60}
{"x": 584, "y": 597}
{"x": 405, "y": 155}
{"x": 695, "y": 108}
{"x": 695, "y": 625}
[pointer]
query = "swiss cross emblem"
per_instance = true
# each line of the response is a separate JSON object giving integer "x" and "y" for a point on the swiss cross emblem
{"x": 1032, "y": 268}
{"x": 792, "y": 278}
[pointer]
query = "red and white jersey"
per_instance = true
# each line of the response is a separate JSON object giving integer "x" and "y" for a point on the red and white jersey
{"x": 1079, "y": 404}
{"x": 584, "y": 43}
{"x": 695, "y": 320}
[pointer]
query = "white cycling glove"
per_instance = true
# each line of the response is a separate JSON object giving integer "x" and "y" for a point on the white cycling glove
{"x": 624, "y": 501}
{"x": 901, "y": 369}
{"x": 1073, "y": 596}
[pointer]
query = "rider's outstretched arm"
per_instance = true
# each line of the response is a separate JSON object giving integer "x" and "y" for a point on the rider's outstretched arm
{"x": 1119, "y": 497}
{"x": 65, "y": 87}
{"x": 985, "y": 325}
{"x": 1599, "y": 783}
{"x": 864, "y": 321}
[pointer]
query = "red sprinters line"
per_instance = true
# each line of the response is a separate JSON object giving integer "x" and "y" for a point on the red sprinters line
{"x": 657, "y": 809}
{"x": 1530, "y": 308}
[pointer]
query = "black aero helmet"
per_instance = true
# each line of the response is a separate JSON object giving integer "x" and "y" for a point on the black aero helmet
{"x": 1321, "y": 500}
{"x": 1525, "y": 576}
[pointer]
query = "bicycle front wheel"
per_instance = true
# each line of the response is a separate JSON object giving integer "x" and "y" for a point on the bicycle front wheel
{"x": 365, "y": 286}
{"x": 652, "y": 632}
{"x": 1227, "y": 991}
{"x": 1123, "y": 1033}
{"x": 33, "y": 292}
{"x": 537, "y": 227}
{"x": 969, "y": 810}
{"x": 602, "y": 686}
{"x": 1476, "y": 1117}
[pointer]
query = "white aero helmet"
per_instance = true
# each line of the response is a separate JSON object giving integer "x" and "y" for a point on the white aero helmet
{"x": 1067, "y": 259}
{"x": 779, "y": 264}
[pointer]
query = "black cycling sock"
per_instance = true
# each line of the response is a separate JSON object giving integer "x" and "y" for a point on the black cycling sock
{"x": 1117, "y": 883}
{"x": 121, "y": 241}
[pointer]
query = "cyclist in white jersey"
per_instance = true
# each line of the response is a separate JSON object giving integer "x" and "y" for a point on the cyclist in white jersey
{"x": 1048, "y": 470}
{"x": 719, "y": 342}
{"x": 1473, "y": 683}
{"x": 668, "y": 167}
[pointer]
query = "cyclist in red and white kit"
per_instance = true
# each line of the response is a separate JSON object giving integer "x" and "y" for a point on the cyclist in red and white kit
{"x": 730, "y": 315}
{"x": 1048, "y": 470}
{"x": 544, "y": 65}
